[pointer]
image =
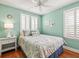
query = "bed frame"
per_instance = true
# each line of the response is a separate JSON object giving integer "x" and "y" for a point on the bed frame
{"x": 57, "y": 53}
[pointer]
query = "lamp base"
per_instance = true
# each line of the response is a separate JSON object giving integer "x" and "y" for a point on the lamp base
{"x": 8, "y": 35}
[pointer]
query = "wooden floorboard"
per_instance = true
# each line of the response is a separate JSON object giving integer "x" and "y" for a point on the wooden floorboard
{"x": 19, "y": 54}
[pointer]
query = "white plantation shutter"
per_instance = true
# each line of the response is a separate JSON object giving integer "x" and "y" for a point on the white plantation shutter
{"x": 22, "y": 22}
{"x": 27, "y": 25}
{"x": 25, "y": 22}
{"x": 34, "y": 23}
{"x": 69, "y": 23}
{"x": 77, "y": 23}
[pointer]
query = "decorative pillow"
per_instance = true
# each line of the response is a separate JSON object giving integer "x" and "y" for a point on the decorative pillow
{"x": 21, "y": 35}
{"x": 26, "y": 33}
{"x": 35, "y": 33}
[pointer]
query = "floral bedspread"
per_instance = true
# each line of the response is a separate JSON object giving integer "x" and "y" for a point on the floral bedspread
{"x": 40, "y": 46}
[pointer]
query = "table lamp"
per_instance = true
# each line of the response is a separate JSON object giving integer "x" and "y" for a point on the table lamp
{"x": 8, "y": 27}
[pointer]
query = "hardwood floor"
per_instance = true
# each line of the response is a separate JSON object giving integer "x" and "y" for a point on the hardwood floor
{"x": 13, "y": 54}
{"x": 69, "y": 54}
{"x": 19, "y": 54}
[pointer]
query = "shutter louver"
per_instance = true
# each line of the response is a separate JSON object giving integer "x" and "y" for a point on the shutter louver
{"x": 22, "y": 22}
{"x": 69, "y": 24}
{"x": 77, "y": 23}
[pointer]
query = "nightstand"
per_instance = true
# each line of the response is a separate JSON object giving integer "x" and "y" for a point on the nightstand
{"x": 8, "y": 44}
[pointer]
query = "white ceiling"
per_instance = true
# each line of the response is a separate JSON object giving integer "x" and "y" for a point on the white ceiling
{"x": 28, "y": 5}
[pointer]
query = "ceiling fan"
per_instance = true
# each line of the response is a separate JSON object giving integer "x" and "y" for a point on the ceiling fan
{"x": 40, "y": 4}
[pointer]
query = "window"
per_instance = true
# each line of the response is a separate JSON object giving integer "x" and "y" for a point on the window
{"x": 77, "y": 23}
{"x": 28, "y": 23}
{"x": 34, "y": 23}
{"x": 71, "y": 23}
{"x": 22, "y": 22}
{"x": 25, "y": 22}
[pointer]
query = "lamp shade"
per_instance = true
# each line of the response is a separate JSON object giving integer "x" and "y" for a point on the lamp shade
{"x": 8, "y": 25}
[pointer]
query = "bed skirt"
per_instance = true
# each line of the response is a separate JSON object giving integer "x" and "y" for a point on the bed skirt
{"x": 57, "y": 53}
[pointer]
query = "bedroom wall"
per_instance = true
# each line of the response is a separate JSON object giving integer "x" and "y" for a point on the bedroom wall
{"x": 57, "y": 29}
{"x": 4, "y": 11}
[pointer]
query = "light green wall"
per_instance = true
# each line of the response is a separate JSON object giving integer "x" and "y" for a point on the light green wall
{"x": 56, "y": 16}
{"x": 5, "y": 10}
{"x": 57, "y": 29}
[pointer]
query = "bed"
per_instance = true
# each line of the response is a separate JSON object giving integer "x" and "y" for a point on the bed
{"x": 41, "y": 46}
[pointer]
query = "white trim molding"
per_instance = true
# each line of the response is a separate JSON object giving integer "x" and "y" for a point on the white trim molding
{"x": 71, "y": 49}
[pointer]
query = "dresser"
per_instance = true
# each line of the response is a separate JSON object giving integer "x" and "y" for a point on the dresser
{"x": 7, "y": 44}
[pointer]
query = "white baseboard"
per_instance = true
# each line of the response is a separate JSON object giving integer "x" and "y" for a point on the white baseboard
{"x": 71, "y": 49}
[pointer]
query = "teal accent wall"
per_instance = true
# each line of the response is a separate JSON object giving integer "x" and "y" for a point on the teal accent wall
{"x": 4, "y": 11}
{"x": 57, "y": 29}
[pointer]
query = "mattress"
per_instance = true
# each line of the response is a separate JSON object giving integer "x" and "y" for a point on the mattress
{"x": 40, "y": 46}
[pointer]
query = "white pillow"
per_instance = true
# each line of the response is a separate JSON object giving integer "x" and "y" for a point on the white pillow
{"x": 35, "y": 33}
